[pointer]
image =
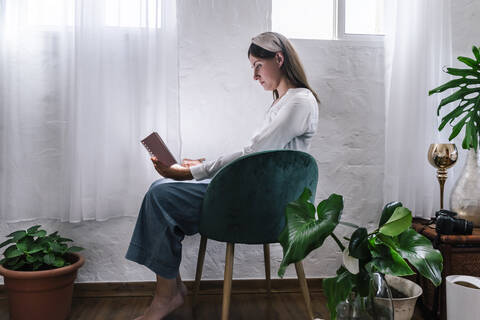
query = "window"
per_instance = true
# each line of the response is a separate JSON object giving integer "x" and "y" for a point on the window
{"x": 329, "y": 19}
{"x": 53, "y": 13}
{"x": 133, "y": 13}
{"x": 50, "y": 12}
{"x": 304, "y": 19}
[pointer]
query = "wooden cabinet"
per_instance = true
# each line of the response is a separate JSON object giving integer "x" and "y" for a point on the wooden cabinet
{"x": 461, "y": 256}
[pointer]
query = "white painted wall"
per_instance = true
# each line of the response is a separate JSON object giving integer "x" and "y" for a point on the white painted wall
{"x": 465, "y": 27}
{"x": 221, "y": 106}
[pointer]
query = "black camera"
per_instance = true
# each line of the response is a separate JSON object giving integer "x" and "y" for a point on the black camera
{"x": 446, "y": 223}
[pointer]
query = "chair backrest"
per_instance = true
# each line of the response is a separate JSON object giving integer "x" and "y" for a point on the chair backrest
{"x": 245, "y": 201}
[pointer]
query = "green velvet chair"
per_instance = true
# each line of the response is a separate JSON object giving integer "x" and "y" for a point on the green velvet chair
{"x": 245, "y": 203}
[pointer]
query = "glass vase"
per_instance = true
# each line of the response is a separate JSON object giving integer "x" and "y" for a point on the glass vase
{"x": 376, "y": 306}
{"x": 465, "y": 197}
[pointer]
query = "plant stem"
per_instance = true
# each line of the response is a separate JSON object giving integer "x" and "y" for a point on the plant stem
{"x": 340, "y": 245}
{"x": 372, "y": 233}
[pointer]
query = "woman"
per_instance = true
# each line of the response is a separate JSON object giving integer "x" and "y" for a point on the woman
{"x": 170, "y": 209}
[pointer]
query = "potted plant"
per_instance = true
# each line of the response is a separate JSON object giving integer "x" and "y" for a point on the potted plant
{"x": 465, "y": 198}
{"x": 367, "y": 256}
{"x": 39, "y": 271}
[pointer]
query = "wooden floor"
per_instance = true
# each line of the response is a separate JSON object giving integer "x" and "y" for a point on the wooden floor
{"x": 248, "y": 306}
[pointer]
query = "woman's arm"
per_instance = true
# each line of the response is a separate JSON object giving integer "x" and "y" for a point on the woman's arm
{"x": 190, "y": 163}
{"x": 175, "y": 172}
{"x": 292, "y": 120}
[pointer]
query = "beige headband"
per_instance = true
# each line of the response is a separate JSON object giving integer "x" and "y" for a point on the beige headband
{"x": 269, "y": 41}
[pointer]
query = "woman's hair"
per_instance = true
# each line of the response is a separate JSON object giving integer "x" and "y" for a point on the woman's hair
{"x": 292, "y": 67}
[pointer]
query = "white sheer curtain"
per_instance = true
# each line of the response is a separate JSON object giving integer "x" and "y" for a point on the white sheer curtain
{"x": 418, "y": 46}
{"x": 81, "y": 83}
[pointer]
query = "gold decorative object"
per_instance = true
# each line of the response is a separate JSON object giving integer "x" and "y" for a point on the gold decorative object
{"x": 442, "y": 156}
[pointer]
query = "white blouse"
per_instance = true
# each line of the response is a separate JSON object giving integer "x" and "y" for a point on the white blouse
{"x": 290, "y": 124}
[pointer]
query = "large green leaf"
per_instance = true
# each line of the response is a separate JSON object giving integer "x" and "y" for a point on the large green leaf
{"x": 389, "y": 241}
{"x": 337, "y": 289}
{"x": 398, "y": 222}
{"x": 459, "y": 94}
{"x": 467, "y": 141}
{"x": 18, "y": 235}
{"x": 358, "y": 245}
{"x": 458, "y": 127}
{"x": 476, "y": 134}
{"x": 35, "y": 248}
{"x": 40, "y": 233}
{"x": 387, "y": 260}
{"x": 74, "y": 249}
{"x": 58, "y": 248}
{"x": 462, "y": 72}
{"x": 476, "y": 53}
{"x": 452, "y": 84}
{"x": 6, "y": 242}
{"x": 419, "y": 252}
{"x": 303, "y": 233}
{"x": 387, "y": 211}
{"x": 450, "y": 117}
{"x": 303, "y": 206}
{"x": 25, "y": 244}
{"x": 33, "y": 229}
{"x": 469, "y": 62}
{"x": 362, "y": 282}
{"x": 467, "y": 86}
{"x": 12, "y": 252}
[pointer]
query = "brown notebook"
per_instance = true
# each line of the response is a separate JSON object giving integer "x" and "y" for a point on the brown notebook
{"x": 157, "y": 148}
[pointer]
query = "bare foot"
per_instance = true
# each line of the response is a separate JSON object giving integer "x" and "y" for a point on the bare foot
{"x": 182, "y": 288}
{"x": 160, "y": 307}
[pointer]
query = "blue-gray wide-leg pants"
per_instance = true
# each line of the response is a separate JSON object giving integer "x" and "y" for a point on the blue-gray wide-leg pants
{"x": 170, "y": 210}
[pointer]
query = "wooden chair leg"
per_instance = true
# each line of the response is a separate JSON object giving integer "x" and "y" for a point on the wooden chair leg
{"x": 266, "y": 254}
{"x": 304, "y": 287}
{"x": 227, "y": 282}
{"x": 198, "y": 273}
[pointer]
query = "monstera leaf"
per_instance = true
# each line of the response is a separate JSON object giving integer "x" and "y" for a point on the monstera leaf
{"x": 467, "y": 112}
{"x": 303, "y": 231}
{"x": 419, "y": 252}
{"x": 387, "y": 260}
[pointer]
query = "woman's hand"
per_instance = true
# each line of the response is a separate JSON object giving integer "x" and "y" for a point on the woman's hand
{"x": 190, "y": 163}
{"x": 175, "y": 171}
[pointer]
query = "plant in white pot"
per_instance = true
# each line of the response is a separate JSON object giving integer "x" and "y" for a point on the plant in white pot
{"x": 39, "y": 271}
{"x": 367, "y": 256}
{"x": 465, "y": 198}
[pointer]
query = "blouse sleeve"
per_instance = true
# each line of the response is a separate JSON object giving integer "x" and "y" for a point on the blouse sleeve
{"x": 291, "y": 121}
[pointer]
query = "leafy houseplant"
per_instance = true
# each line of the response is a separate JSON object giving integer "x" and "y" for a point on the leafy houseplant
{"x": 467, "y": 112}
{"x": 39, "y": 271}
{"x": 33, "y": 249}
{"x": 383, "y": 250}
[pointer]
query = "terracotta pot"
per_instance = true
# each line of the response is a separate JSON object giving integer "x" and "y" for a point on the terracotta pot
{"x": 41, "y": 295}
